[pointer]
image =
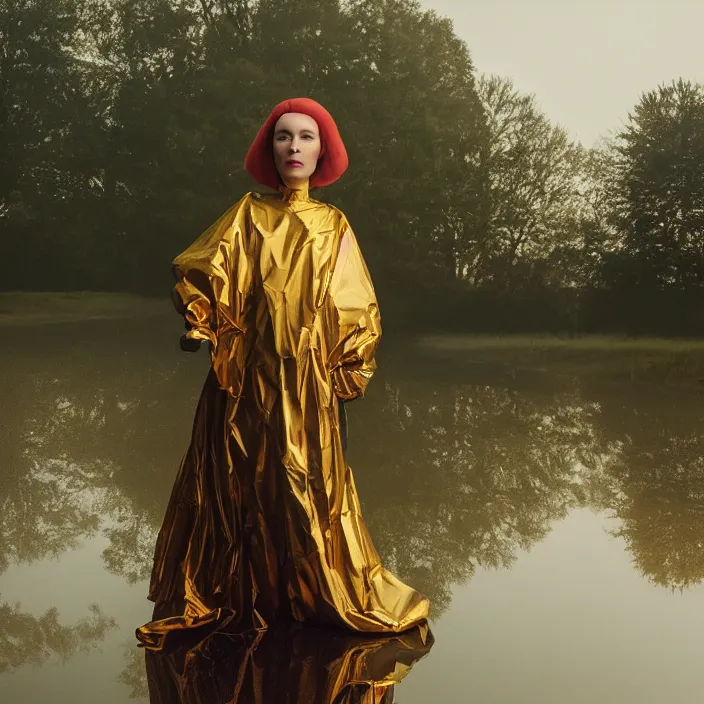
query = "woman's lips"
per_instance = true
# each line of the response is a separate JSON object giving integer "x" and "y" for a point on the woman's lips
{"x": 293, "y": 162}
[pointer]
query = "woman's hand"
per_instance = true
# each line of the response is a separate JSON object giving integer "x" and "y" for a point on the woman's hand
{"x": 188, "y": 344}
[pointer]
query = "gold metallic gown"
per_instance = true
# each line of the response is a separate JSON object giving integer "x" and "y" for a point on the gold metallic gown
{"x": 264, "y": 518}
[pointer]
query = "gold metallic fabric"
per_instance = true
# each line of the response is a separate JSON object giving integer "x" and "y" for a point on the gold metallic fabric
{"x": 264, "y": 519}
{"x": 293, "y": 666}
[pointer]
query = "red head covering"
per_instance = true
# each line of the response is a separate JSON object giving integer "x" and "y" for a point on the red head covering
{"x": 332, "y": 162}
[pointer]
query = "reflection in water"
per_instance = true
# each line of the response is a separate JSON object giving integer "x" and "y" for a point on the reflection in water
{"x": 40, "y": 481}
{"x": 28, "y": 640}
{"x": 477, "y": 473}
{"x": 88, "y": 442}
{"x": 291, "y": 666}
{"x": 655, "y": 483}
{"x": 134, "y": 676}
{"x": 453, "y": 475}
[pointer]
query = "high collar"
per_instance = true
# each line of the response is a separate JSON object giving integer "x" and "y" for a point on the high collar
{"x": 297, "y": 193}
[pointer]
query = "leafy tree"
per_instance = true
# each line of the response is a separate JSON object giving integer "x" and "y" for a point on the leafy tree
{"x": 534, "y": 173}
{"x": 172, "y": 92}
{"x": 42, "y": 110}
{"x": 597, "y": 224}
{"x": 661, "y": 178}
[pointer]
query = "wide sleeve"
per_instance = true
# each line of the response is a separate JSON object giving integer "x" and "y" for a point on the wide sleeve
{"x": 351, "y": 361}
{"x": 214, "y": 279}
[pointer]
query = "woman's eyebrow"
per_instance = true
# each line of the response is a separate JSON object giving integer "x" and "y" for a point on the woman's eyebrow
{"x": 283, "y": 130}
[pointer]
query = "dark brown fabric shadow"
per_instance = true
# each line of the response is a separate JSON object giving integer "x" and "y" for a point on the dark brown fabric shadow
{"x": 294, "y": 665}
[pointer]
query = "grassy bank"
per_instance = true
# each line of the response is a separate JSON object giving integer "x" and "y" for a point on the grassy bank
{"x": 636, "y": 359}
{"x": 43, "y": 308}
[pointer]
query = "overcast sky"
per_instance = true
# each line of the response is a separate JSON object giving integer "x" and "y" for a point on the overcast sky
{"x": 587, "y": 61}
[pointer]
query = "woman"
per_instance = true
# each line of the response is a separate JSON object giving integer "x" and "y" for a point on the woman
{"x": 264, "y": 519}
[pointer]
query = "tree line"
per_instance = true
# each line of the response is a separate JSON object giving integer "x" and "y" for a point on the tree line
{"x": 124, "y": 125}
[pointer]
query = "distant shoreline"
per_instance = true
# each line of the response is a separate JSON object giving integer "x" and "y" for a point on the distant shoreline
{"x": 48, "y": 307}
{"x": 541, "y": 343}
{"x": 658, "y": 360}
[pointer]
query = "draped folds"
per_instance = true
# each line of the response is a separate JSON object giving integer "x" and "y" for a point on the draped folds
{"x": 264, "y": 521}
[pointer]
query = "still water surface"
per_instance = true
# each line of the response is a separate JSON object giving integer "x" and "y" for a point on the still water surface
{"x": 556, "y": 523}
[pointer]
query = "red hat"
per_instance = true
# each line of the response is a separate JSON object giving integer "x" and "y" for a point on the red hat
{"x": 332, "y": 162}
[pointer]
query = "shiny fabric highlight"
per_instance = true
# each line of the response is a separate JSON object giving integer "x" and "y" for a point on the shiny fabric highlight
{"x": 264, "y": 521}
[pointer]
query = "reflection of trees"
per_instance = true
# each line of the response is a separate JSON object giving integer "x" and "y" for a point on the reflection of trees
{"x": 655, "y": 484}
{"x": 38, "y": 517}
{"x": 452, "y": 475}
{"x": 79, "y": 432}
{"x": 86, "y": 442}
{"x": 134, "y": 675}
{"x": 663, "y": 515}
{"x": 466, "y": 475}
{"x": 28, "y": 640}
{"x": 463, "y": 474}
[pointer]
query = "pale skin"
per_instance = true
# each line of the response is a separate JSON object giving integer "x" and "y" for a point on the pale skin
{"x": 296, "y": 148}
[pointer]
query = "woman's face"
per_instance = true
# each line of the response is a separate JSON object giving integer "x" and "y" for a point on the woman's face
{"x": 296, "y": 147}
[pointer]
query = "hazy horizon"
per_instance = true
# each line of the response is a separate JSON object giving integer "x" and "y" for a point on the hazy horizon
{"x": 587, "y": 63}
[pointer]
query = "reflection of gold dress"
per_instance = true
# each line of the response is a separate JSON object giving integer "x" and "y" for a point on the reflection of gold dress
{"x": 300, "y": 666}
{"x": 264, "y": 517}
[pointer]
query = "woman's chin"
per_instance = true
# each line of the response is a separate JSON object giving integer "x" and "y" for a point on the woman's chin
{"x": 297, "y": 174}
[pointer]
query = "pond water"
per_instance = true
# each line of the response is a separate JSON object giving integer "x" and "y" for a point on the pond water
{"x": 556, "y": 522}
